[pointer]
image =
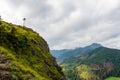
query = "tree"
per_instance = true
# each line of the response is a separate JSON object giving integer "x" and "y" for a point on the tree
{"x": 24, "y": 19}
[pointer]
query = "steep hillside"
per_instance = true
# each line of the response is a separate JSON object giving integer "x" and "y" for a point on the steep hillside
{"x": 24, "y": 55}
{"x": 97, "y": 64}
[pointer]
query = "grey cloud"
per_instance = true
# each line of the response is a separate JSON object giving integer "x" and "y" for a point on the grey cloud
{"x": 114, "y": 15}
{"x": 67, "y": 24}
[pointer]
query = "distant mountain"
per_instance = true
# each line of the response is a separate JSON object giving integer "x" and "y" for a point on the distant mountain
{"x": 57, "y": 53}
{"x": 92, "y": 46}
{"x": 93, "y": 62}
{"x": 66, "y": 53}
{"x": 97, "y": 64}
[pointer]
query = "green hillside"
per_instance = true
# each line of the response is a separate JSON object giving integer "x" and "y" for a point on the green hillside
{"x": 112, "y": 78}
{"x": 98, "y": 64}
{"x": 24, "y": 55}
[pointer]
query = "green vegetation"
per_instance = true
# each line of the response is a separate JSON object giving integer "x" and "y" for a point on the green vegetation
{"x": 97, "y": 64}
{"x": 24, "y": 55}
{"x": 112, "y": 78}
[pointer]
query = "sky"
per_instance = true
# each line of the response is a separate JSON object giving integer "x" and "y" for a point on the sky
{"x": 66, "y": 24}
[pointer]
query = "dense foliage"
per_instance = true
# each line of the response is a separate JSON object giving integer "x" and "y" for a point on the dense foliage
{"x": 93, "y": 62}
{"x": 95, "y": 65}
{"x": 24, "y": 55}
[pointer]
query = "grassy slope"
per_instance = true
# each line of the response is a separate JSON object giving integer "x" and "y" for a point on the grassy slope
{"x": 112, "y": 78}
{"x": 25, "y": 55}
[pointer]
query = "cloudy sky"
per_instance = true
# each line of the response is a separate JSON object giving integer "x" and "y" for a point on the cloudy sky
{"x": 68, "y": 23}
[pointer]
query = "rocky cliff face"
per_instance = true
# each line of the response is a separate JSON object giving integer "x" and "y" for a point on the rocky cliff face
{"x": 24, "y": 55}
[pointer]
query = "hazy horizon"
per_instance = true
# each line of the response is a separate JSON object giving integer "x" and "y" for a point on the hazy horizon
{"x": 68, "y": 24}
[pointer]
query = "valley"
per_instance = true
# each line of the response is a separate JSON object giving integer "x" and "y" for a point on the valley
{"x": 93, "y": 62}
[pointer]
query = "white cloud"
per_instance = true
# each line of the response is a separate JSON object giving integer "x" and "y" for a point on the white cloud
{"x": 68, "y": 23}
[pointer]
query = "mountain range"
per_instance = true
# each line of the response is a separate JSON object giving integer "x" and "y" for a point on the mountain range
{"x": 66, "y": 53}
{"x": 93, "y": 62}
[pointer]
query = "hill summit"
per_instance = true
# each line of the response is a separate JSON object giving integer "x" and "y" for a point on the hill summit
{"x": 24, "y": 55}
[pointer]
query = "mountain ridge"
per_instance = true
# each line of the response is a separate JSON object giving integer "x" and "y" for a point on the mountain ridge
{"x": 93, "y": 62}
{"x": 100, "y": 63}
{"x": 66, "y": 53}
